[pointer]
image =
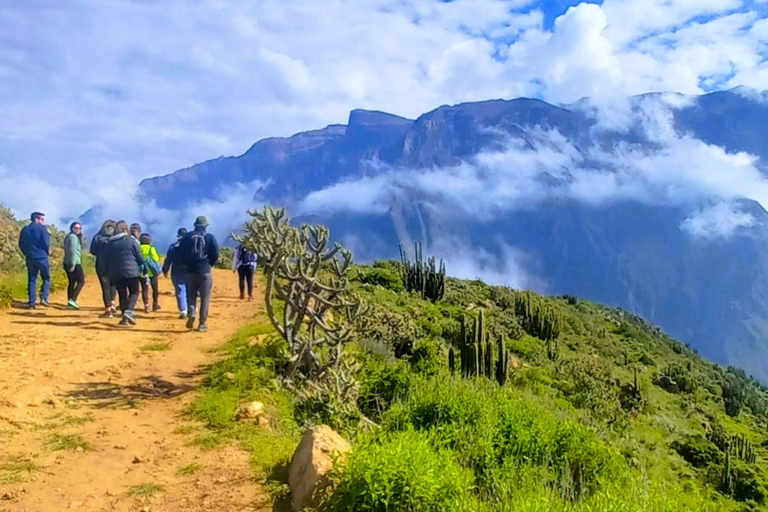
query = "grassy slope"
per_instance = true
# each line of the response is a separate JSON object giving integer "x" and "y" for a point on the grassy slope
{"x": 650, "y": 474}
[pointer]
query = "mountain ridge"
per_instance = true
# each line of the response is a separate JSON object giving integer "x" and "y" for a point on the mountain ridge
{"x": 586, "y": 204}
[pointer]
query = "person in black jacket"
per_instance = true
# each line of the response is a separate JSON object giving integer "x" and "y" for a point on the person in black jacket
{"x": 99, "y": 249}
{"x": 173, "y": 264}
{"x": 34, "y": 242}
{"x": 124, "y": 263}
{"x": 199, "y": 251}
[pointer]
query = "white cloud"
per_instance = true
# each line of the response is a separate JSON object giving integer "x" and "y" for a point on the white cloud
{"x": 720, "y": 221}
{"x": 142, "y": 88}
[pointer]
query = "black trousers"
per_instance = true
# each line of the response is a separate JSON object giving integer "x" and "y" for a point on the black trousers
{"x": 108, "y": 291}
{"x": 76, "y": 280}
{"x": 245, "y": 274}
{"x": 145, "y": 290}
{"x": 128, "y": 291}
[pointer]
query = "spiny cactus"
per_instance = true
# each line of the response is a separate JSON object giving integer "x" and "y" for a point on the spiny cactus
{"x": 540, "y": 321}
{"x": 476, "y": 353}
{"x": 553, "y": 349}
{"x": 726, "y": 480}
{"x": 427, "y": 279}
{"x": 738, "y": 445}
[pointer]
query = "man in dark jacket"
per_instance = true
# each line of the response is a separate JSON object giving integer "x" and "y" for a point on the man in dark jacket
{"x": 34, "y": 242}
{"x": 99, "y": 249}
{"x": 178, "y": 274}
{"x": 199, "y": 252}
{"x": 124, "y": 262}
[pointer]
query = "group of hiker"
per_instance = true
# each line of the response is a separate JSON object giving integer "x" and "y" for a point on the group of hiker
{"x": 127, "y": 263}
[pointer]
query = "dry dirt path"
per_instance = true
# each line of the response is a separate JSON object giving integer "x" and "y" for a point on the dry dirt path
{"x": 68, "y": 377}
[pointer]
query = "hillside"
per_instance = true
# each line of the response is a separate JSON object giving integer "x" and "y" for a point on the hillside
{"x": 609, "y": 415}
{"x": 651, "y": 205}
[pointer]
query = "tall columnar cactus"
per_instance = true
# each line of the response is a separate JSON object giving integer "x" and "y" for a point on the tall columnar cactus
{"x": 477, "y": 355}
{"x": 427, "y": 279}
{"x": 553, "y": 349}
{"x": 738, "y": 445}
{"x": 726, "y": 481}
{"x": 537, "y": 320}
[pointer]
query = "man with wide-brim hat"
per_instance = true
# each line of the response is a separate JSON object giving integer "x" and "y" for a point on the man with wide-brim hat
{"x": 199, "y": 252}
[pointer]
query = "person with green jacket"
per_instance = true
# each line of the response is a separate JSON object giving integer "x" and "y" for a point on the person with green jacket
{"x": 150, "y": 272}
{"x": 73, "y": 264}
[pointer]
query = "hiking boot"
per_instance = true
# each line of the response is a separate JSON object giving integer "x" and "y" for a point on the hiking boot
{"x": 250, "y": 298}
{"x": 242, "y": 296}
{"x": 202, "y": 328}
{"x": 146, "y": 308}
{"x": 112, "y": 308}
{"x": 44, "y": 302}
{"x": 107, "y": 314}
{"x": 183, "y": 315}
{"x": 128, "y": 317}
{"x": 191, "y": 322}
{"x": 156, "y": 307}
{"x": 30, "y": 306}
{"x": 123, "y": 321}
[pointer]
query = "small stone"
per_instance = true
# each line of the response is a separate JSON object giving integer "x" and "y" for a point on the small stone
{"x": 76, "y": 504}
{"x": 79, "y": 449}
{"x": 250, "y": 411}
{"x": 263, "y": 422}
{"x": 111, "y": 493}
{"x": 120, "y": 447}
{"x": 229, "y": 376}
{"x": 137, "y": 460}
{"x": 221, "y": 480}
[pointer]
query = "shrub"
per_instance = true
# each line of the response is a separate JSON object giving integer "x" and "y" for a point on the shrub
{"x": 401, "y": 472}
{"x": 698, "y": 451}
{"x": 488, "y": 428}
{"x": 384, "y": 277}
{"x": 6, "y": 296}
{"x": 529, "y": 348}
{"x": 589, "y": 385}
{"x": 392, "y": 328}
{"x": 427, "y": 357}
{"x": 383, "y": 383}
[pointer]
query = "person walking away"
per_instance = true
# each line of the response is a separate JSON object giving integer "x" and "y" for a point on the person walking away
{"x": 244, "y": 263}
{"x": 73, "y": 264}
{"x": 178, "y": 274}
{"x": 34, "y": 242}
{"x": 99, "y": 249}
{"x": 135, "y": 231}
{"x": 150, "y": 273}
{"x": 124, "y": 262}
{"x": 199, "y": 252}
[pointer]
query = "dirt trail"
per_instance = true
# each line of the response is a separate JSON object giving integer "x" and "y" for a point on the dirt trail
{"x": 69, "y": 376}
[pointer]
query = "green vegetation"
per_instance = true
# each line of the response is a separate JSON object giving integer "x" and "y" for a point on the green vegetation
{"x": 190, "y": 469}
{"x": 488, "y": 398}
{"x": 67, "y": 442}
{"x": 426, "y": 279}
{"x": 16, "y": 468}
{"x": 145, "y": 491}
{"x": 156, "y": 346}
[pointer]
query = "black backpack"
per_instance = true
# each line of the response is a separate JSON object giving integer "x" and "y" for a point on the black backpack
{"x": 247, "y": 256}
{"x": 195, "y": 248}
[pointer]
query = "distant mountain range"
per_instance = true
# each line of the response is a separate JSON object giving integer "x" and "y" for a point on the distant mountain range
{"x": 651, "y": 204}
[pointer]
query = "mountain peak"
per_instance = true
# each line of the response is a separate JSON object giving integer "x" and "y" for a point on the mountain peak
{"x": 370, "y": 118}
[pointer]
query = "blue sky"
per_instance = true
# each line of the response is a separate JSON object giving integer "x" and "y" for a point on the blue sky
{"x": 97, "y": 94}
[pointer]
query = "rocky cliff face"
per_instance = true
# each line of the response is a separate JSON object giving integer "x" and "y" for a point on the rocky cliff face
{"x": 648, "y": 205}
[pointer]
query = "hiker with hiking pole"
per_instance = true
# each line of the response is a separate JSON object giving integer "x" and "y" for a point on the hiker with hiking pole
{"x": 199, "y": 252}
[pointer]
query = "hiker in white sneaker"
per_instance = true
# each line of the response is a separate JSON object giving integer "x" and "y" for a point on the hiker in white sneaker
{"x": 73, "y": 264}
{"x": 124, "y": 262}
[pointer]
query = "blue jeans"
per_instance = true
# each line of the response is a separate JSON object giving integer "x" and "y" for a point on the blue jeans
{"x": 35, "y": 267}
{"x": 180, "y": 289}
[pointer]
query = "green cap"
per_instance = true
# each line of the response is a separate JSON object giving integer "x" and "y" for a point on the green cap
{"x": 201, "y": 221}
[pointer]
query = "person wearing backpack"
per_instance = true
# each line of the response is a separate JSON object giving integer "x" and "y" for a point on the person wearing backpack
{"x": 73, "y": 264}
{"x": 244, "y": 263}
{"x": 124, "y": 263}
{"x": 150, "y": 273}
{"x": 173, "y": 264}
{"x": 199, "y": 252}
{"x": 99, "y": 249}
